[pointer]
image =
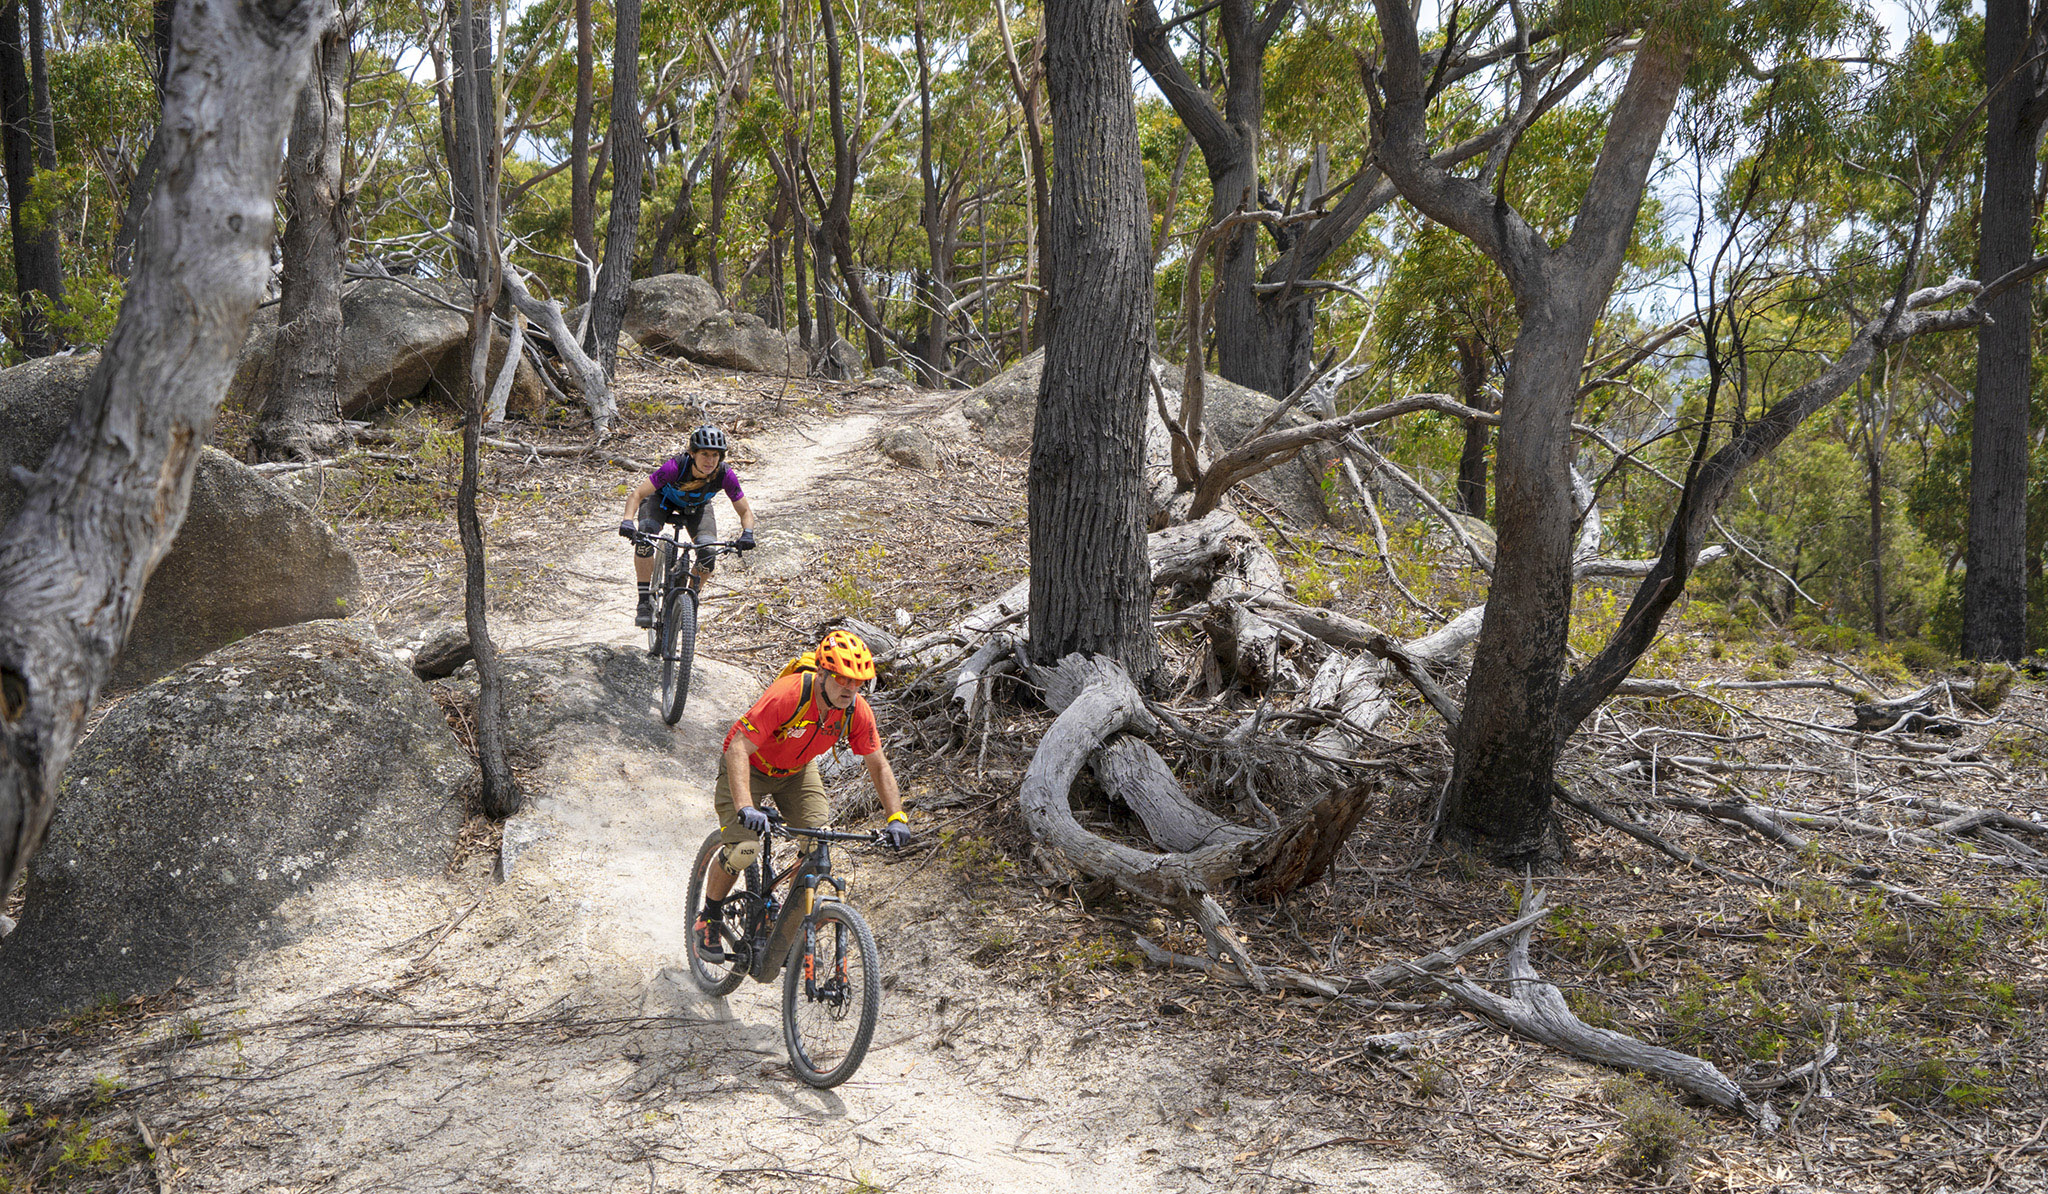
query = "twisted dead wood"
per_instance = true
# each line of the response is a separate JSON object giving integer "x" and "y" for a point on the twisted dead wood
{"x": 1096, "y": 699}
{"x": 1537, "y": 1010}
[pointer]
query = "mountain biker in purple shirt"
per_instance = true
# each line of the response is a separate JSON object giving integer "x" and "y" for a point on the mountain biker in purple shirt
{"x": 680, "y": 492}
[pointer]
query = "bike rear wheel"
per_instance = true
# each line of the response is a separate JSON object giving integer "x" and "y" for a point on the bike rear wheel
{"x": 720, "y": 976}
{"x": 831, "y": 994}
{"x": 677, "y": 653}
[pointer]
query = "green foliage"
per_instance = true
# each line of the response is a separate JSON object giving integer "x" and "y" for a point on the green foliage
{"x": 1656, "y": 1136}
{"x": 1432, "y": 1079}
{"x": 855, "y": 575}
{"x": 65, "y": 1151}
{"x": 1993, "y": 683}
{"x": 1095, "y": 953}
{"x": 975, "y": 858}
{"x": 994, "y": 944}
{"x": 1916, "y": 655}
{"x": 1939, "y": 1080}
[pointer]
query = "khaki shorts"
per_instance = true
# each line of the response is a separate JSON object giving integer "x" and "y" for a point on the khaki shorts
{"x": 800, "y": 797}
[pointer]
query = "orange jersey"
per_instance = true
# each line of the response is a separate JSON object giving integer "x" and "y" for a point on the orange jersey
{"x": 783, "y": 745}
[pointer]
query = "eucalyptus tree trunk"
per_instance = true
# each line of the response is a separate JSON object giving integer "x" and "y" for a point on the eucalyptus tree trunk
{"x": 478, "y": 174}
{"x": 629, "y": 162}
{"x": 301, "y": 416}
{"x": 1025, "y": 84}
{"x": 1873, "y": 464}
{"x": 827, "y": 332}
{"x": 1995, "y": 560}
{"x": 38, "y": 257}
{"x": 582, "y": 201}
{"x": 799, "y": 246}
{"x": 1499, "y": 798}
{"x": 470, "y": 91}
{"x": 1091, "y": 582}
{"x": 109, "y": 498}
{"x": 735, "y": 80}
{"x": 935, "y": 290}
{"x": 143, "y": 184}
{"x": 835, "y": 218}
{"x": 1472, "y": 456}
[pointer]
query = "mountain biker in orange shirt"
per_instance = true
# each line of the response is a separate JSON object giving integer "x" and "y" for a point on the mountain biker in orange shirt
{"x": 772, "y": 750}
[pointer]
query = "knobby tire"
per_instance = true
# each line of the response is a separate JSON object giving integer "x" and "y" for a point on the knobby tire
{"x": 830, "y": 999}
{"x": 677, "y": 653}
{"x": 719, "y": 978}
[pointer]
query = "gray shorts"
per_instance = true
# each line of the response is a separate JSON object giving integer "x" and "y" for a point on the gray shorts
{"x": 701, "y": 529}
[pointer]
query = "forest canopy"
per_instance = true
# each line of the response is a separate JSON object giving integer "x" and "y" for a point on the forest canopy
{"x": 878, "y": 173}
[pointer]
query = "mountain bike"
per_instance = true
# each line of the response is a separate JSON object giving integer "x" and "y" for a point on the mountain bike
{"x": 813, "y": 938}
{"x": 673, "y": 636}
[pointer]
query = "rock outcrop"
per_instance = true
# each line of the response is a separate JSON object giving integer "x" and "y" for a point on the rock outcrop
{"x": 682, "y": 315}
{"x": 662, "y": 312}
{"x": 201, "y": 804}
{"x": 402, "y": 340}
{"x": 1005, "y": 406}
{"x": 248, "y": 557}
{"x": 37, "y": 401}
{"x": 738, "y": 340}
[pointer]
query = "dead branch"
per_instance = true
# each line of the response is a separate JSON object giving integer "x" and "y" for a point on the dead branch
{"x": 1739, "y": 812}
{"x": 1595, "y": 810}
{"x": 1130, "y": 770}
{"x": 1385, "y": 979}
{"x": 1412, "y": 670}
{"x": 1537, "y": 1010}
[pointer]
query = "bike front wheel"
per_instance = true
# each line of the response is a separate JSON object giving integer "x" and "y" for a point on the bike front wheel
{"x": 831, "y": 994}
{"x": 678, "y": 651}
{"x": 718, "y": 976}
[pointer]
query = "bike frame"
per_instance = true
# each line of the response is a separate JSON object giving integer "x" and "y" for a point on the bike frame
{"x": 806, "y": 874}
{"x": 683, "y": 573}
{"x": 687, "y": 551}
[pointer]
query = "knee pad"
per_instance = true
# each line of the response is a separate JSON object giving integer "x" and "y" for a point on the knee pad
{"x": 706, "y": 562}
{"x": 738, "y": 856}
{"x": 643, "y": 550}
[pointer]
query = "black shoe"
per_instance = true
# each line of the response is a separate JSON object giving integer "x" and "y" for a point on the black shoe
{"x": 643, "y": 617}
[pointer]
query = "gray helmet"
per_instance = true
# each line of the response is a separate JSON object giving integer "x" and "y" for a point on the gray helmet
{"x": 707, "y": 437}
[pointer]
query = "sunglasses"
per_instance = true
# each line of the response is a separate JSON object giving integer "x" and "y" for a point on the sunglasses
{"x": 856, "y": 685}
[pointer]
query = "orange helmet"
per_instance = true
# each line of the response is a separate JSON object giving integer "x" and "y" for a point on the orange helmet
{"x": 844, "y": 655}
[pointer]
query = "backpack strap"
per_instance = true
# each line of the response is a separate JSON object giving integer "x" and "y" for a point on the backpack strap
{"x": 803, "y": 703}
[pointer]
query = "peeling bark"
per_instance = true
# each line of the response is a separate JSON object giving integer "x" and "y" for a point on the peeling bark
{"x": 106, "y": 503}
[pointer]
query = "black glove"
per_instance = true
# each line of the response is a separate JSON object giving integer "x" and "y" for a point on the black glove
{"x": 897, "y": 834}
{"x": 753, "y": 820}
{"x": 745, "y": 542}
{"x": 628, "y": 528}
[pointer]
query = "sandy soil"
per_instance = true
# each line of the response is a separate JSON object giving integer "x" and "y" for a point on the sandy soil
{"x": 536, "y": 1033}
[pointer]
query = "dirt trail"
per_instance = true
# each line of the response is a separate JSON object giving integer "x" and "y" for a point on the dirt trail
{"x": 469, "y": 1034}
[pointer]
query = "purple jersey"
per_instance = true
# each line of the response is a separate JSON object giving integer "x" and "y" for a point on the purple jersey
{"x": 680, "y": 492}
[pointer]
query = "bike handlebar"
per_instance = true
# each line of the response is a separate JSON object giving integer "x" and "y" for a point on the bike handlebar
{"x": 727, "y": 545}
{"x": 777, "y": 825}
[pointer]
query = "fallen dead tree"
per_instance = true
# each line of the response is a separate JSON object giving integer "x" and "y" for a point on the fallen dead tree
{"x": 1215, "y": 573}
